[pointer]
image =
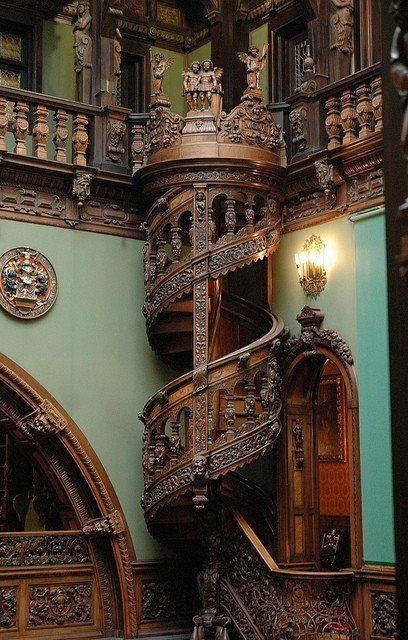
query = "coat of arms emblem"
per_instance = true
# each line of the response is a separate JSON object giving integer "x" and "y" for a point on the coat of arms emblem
{"x": 28, "y": 284}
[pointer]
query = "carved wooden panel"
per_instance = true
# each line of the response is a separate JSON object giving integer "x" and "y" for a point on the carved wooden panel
{"x": 20, "y": 551}
{"x": 8, "y": 608}
{"x": 57, "y": 605}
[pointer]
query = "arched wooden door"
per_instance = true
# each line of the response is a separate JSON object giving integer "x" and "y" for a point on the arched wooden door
{"x": 318, "y": 457}
{"x": 65, "y": 551}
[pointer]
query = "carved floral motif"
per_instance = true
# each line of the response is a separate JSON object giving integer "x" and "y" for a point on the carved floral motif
{"x": 384, "y": 615}
{"x": 68, "y": 604}
{"x": 250, "y": 123}
{"x": 23, "y": 551}
{"x": 163, "y": 130}
{"x": 8, "y": 607}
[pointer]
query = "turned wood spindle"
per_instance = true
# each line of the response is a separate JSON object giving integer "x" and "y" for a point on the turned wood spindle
{"x": 176, "y": 244}
{"x": 250, "y": 402}
{"x": 20, "y": 128}
{"x": 333, "y": 124}
{"x": 41, "y": 131}
{"x": 60, "y": 138}
{"x": 377, "y": 103}
{"x": 3, "y": 123}
{"x": 348, "y": 116}
{"x": 230, "y": 217}
{"x": 229, "y": 415}
{"x": 174, "y": 441}
{"x": 365, "y": 111}
{"x": 80, "y": 140}
{"x": 161, "y": 257}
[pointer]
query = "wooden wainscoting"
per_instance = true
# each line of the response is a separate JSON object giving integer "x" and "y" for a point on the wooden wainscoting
{"x": 169, "y": 596}
{"x": 377, "y": 600}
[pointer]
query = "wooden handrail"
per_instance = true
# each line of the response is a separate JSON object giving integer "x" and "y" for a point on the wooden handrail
{"x": 32, "y": 97}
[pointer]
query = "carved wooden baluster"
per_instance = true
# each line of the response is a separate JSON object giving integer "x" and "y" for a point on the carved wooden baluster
{"x": 41, "y": 131}
{"x": 249, "y": 211}
{"x": 80, "y": 140}
{"x": 60, "y": 135}
{"x": 210, "y": 423}
{"x": 20, "y": 128}
{"x": 333, "y": 122}
{"x": 365, "y": 111}
{"x": 160, "y": 451}
{"x": 176, "y": 244}
{"x": 230, "y": 217}
{"x": 377, "y": 103}
{"x": 250, "y": 402}
{"x": 229, "y": 415}
{"x": 137, "y": 146}
{"x": 151, "y": 456}
{"x": 174, "y": 441}
{"x": 264, "y": 394}
{"x": 348, "y": 116}
{"x": 3, "y": 123}
{"x": 161, "y": 257}
{"x": 152, "y": 267}
{"x": 211, "y": 226}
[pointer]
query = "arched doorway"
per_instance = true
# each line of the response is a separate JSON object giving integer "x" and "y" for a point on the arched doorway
{"x": 65, "y": 550}
{"x": 318, "y": 457}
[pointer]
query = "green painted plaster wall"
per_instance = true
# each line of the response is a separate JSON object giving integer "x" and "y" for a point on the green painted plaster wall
{"x": 173, "y": 80}
{"x": 354, "y": 303}
{"x": 258, "y": 37}
{"x": 373, "y": 375}
{"x": 90, "y": 350}
{"x": 58, "y": 68}
{"x": 200, "y": 54}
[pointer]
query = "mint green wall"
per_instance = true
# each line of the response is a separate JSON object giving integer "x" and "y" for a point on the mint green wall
{"x": 373, "y": 374}
{"x": 58, "y": 68}
{"x": 200, "y": 54}
{"x": 258, "y": 37}
{"x": 173, "y": 79}
{"x": 90, "y": 350}
{"x": 338, "y": 299}
{"x": 354, "y": 303}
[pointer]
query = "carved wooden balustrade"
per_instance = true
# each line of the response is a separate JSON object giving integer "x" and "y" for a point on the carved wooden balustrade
{"x": 266, "y": 602}
{"x": 64, "y": 131}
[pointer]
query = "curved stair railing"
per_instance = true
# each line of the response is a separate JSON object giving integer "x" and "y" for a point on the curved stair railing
{"x": 212, "y": 187}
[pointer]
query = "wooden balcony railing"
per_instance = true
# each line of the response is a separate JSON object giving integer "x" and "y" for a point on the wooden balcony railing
{"x": 64, "y": 131}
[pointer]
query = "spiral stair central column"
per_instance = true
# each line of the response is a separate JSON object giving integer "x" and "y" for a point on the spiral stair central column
{"x": 200, "y": 318}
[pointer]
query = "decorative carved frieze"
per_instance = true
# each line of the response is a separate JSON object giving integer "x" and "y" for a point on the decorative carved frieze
{"x": 163, "y": 130}
{"x": 251, "y": 123}
{"x": 112, "y": 524}
{"x": 44, "y": 420}
{"x": 165, "y": 599}
{"x": 26, "y": 551}
{"x": 60, "y": 605}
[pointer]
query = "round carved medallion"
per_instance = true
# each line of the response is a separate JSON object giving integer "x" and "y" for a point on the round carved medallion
{"x": 28, "y": 284}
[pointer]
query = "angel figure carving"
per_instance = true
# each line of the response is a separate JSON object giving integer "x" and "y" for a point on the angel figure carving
{"x": 159, "y": 68}
{"x": 209, "y": 85}
{"x": 190, "y": 85}
{"x": 255, "y": 64}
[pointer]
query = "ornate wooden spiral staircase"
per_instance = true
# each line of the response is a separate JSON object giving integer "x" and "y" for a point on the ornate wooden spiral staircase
{"x": 212, "y": 186}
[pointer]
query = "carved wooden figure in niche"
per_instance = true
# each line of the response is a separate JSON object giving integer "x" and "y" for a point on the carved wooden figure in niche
{"x": 117, "y": 53}
{"x": 160, "y": 66}
{"x": 82, "y": 36}
{"x": 255, "y": 64}
{"x": 341, "y": 36}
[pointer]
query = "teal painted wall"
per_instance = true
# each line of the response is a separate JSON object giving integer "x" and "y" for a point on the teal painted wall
{"x": 90, "y": 350}
{"x": 338, "y": 299}
{"x": 258, "y": 37}
{"x": 354, "y": 303}
{"x": 373, "y": 375}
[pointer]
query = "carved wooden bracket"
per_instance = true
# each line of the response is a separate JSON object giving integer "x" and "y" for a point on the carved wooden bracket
{"x": 44, "y": 420}
{"x": 111, "y": 525}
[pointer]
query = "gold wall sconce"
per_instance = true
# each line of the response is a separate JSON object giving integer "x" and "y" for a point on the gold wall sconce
{"x": 311, "y": 264}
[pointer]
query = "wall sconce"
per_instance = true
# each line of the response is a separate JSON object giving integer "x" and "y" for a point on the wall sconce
{"x": 311, "y": 265}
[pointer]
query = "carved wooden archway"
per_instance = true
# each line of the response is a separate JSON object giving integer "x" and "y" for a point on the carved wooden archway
{"x": 59, "y": 447}
{"x": 303, "y": 362}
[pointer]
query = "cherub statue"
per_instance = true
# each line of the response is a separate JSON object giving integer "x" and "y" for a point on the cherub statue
{"x": 255, "y": 65}
{"x": 159, "y": 68}
{"x": 190, "y": 85}
{"x": 209, "y": 83}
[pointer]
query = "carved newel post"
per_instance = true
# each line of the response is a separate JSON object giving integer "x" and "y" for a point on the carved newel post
{"x": 83, "y": 50}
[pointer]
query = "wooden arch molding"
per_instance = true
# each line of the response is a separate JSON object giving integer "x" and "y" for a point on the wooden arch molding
{"x": 36, "y": 416}
{"x": 302, "y": 362}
